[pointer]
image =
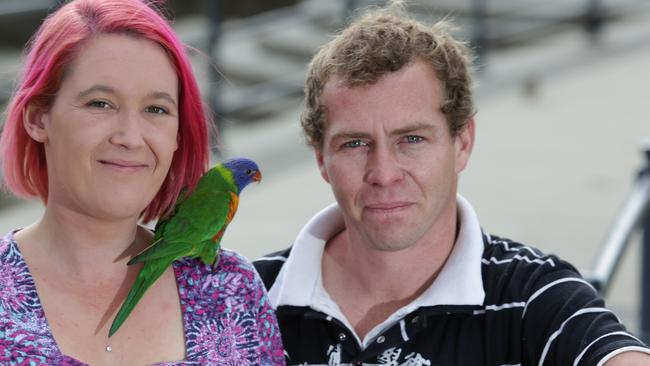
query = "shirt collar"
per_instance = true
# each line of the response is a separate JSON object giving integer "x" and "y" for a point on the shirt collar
{"x": 458, "y": 283}
{"x": 297, "y": 280}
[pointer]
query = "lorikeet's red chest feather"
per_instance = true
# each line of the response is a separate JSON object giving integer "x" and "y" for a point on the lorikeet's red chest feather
{"x": 234, "y": 202}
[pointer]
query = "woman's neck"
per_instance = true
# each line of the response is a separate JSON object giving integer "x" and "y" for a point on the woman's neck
{"x": 85, "y": 246}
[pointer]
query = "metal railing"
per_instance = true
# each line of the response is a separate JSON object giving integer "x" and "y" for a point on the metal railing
{"x": 634, "y": 218}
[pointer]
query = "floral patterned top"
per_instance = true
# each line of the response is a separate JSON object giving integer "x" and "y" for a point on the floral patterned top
{"x": 226, "y": 315}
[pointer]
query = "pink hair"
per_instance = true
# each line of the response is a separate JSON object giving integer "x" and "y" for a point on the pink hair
{"x": 53, "y": 48}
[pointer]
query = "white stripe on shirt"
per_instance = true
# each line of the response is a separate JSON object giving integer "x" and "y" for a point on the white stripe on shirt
{"x": 577, "y": 360}
{"x": 506, "y": 245}
{"x": 621, "y": 350}
{"x": 518, "y": 257}
{"x": 402, "y": 328}
{"x": 559, "y": 331}
{"x": 500, "y": 307}
{"x": 549, "y": 285}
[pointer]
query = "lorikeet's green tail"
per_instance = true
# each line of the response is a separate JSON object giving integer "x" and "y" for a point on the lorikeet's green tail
{"x": 145, "y": 279}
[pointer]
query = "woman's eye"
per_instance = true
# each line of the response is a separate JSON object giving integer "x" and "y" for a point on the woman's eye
{"x": 156, "y": 110}
{"x": 98, "y": 104}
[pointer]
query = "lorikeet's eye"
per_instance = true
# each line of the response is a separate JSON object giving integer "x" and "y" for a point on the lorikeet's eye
{"x": 249, "y": 171}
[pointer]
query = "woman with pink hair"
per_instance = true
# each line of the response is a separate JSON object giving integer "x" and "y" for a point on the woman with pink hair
{"x": 106, "y": 126}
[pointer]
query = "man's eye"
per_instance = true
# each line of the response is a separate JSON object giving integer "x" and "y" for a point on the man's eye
{"x": 98, "y": 104}
{"x": 156, "y": 110}
{"x": 354, "y": 143}
{"x": 413, "y": 139}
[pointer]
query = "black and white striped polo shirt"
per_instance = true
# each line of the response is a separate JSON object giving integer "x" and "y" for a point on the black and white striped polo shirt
{"x": 496, "y": 302}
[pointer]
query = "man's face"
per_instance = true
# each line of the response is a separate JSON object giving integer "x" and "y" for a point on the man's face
{"x": 390, "y": 159}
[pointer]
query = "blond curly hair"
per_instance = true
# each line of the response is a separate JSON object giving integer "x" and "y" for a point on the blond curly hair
{"x": 385, "y": 40}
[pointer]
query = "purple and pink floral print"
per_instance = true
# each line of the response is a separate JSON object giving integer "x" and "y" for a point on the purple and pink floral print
{"x": 226, "y": 314}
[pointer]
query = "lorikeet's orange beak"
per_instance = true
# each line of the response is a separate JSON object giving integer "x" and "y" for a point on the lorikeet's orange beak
{"x": 257, "y": 177}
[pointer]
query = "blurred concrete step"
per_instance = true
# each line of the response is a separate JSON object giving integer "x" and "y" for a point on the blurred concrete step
{"x": 20, "y": 18}
{"x": 502, "y": 31}
{"x": 507, "y": 23}
{"x": 244, "y": 62}
{"x": 10, "y": 69}
{"x": 299, "y": 43}
{"x": 330, "y": 16}
{"x": 260, "y": 100}
{"x": 253, "y": 81}
{"x": 261, "y": 69}
{"x": 523, "y": 8}
{"x": 242, "y": 59}
{"x": 512, "y": 22}
{"x": 500, "y": 8}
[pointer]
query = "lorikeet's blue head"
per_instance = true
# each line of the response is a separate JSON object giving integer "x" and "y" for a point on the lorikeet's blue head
{"x": 244, "y": 171}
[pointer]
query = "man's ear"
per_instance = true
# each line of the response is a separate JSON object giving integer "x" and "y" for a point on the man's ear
{"x": 321, "y": 164}
{"x": 464, "y": 143}
{"x": 34, "y": 121}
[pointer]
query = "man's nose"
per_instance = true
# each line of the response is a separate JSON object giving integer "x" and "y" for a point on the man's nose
{"x": 383, "y": 167}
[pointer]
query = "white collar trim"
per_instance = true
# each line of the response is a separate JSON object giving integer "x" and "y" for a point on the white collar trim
{"x": 459, "y": 282}
{"x": 296, "y": 282}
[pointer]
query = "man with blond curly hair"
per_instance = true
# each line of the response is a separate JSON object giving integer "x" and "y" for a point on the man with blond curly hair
{"x": 399, "y": 271}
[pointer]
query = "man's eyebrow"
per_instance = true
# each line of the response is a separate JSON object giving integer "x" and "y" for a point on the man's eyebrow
{"x": 163, "y": 95}
{"x": 96, "y": 88}
{"x": 350, "y": 134}
{"x": 420, "y": 126}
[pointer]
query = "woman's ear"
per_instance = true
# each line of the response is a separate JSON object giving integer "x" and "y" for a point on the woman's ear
{"x": 34, "y": 120}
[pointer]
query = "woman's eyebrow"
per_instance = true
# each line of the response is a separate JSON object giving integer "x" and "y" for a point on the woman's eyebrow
{"x": 163, "y": 95}
{"x": 95, "y": 88}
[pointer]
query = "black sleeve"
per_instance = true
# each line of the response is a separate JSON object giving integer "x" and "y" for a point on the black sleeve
{"x": 566, "y": 322}
{"x": 269, "y": 266}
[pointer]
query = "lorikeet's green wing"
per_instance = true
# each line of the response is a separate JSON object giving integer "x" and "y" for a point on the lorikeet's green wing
{"x": 182, "y": 196}
{"x": 173, "y": 244}
{"x": 196, "y": 222}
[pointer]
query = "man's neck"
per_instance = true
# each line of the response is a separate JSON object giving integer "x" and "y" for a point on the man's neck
{"x": 369, "y": 285}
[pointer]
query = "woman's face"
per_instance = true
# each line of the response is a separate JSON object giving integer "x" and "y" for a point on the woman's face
{"x": 111, "y": 131}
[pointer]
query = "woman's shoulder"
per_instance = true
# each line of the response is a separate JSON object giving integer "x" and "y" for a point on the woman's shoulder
{"x": 231, "y": 285}
{"x": 6, "y": 242}
{"x": 231, "y": 260}
{"x": 231, "y": 269}
{"x": 21, "y": 316}
{"x": 10, "y": 257}
{"x": 227, "y": 261}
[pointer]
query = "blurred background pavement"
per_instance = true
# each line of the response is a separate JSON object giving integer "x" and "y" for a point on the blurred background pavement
{"x": 562, "y": 113}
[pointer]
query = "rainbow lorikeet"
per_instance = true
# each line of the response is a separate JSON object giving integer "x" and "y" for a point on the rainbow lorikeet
{"x": 193, "y": 229}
